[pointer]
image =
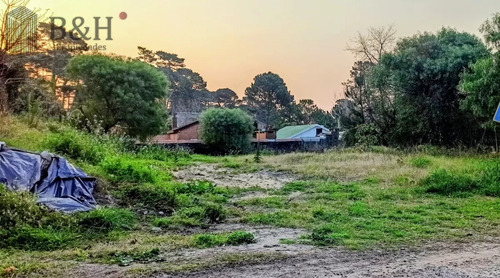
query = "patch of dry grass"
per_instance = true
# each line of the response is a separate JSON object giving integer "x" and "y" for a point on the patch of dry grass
{"x": 346, "y": 165}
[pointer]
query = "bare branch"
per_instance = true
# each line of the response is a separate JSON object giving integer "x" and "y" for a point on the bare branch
{"x": 371, "y": 46}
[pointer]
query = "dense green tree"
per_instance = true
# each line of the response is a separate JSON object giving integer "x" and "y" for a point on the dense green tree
{"x": 424, "y": 74}
{"x": 225, "y": 98}
{"x": 227, "y": 130}
{"x": 129, "y": 95}
{"x": 481, "y": 88}
{"x": 268, "y": 99}
{"x": 188, "y": 89}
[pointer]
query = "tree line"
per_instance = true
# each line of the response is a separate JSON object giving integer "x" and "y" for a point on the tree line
{"x": 438, "y": 88}
{"x": 135, "y": 96}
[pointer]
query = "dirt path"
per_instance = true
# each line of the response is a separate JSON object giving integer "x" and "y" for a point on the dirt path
{"x": 439, "y": 260}
{"x": 230, "y": 178}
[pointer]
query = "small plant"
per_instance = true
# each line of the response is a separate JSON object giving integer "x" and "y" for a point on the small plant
{"x": 257, "y": 157}
{"x": 240, "y": 237}
{"x": 214, "y": 213}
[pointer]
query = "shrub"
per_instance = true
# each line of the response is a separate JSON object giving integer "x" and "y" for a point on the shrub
{"x": 20, "y": 209}
{"x": 214, "y": 213}
{"x": 240, "y": 237}
{"x": 122, "y": 170}
{"x": 77, "y": 145}
{"x": 107, "y": 219}
{"x": 228, "y": 130}
{"x": 445, "y": 183}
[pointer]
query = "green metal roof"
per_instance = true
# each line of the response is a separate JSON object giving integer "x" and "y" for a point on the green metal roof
{"x": 290, "y": 131}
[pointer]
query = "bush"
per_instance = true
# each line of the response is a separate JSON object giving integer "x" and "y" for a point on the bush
{"x": 20, "y": 209}
{"x": 107, "y": 219}
{"x": 214, "y": 213}
{"x": 240, "y": 237}
{"x": 445, "y": 183}
{"x": 77, "y": 145}
{"x": 228, "y": 130}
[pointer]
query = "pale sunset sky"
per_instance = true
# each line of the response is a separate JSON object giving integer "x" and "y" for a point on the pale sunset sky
{"x": 230, "y": 41}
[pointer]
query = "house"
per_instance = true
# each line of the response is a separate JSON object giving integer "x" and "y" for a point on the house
{"x": 186, "y": 133}
{"x": 304, "y": 132}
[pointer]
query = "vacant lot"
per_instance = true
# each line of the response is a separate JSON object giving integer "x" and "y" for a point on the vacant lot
{"x": 349, "y": 212}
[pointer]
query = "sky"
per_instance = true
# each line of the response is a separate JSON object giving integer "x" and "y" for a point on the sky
{"x": 229, "y": 42}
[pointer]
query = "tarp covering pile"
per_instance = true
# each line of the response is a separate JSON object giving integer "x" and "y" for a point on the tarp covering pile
{"x": 58, "y": 184}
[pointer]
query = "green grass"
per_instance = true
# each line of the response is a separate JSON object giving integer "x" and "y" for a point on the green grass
{"x": 379, "y": 198}
{"x": 213, "y": 240}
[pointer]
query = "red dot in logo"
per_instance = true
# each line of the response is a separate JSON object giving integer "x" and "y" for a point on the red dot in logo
{"x": 123, "y": 15}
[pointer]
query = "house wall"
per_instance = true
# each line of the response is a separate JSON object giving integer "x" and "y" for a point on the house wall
{"x": 188, "y": 133}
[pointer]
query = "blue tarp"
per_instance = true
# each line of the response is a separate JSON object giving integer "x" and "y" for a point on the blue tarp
{"x": 58, "y": 184}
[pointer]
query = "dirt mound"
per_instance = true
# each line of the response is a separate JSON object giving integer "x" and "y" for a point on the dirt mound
{"x": 230, "y": 178}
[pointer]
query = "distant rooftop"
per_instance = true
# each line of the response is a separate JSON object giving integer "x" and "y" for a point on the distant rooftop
{"x": 290, "y": 131}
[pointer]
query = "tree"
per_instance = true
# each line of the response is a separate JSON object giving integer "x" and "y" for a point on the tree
{"x": 480, "y": 86}
{"x": 225, "y": 98}
{"x": 228, "y": 130}
{"x": 268, "y": 99}
{"x": 371, "y": 100}
{"x": 15, "y": 40}
{"x": 371, "y": 46}
{"x": 491, "y": 31}
{"x": 189, "y": 91}
{"x": 424, "y": 74}
{"x": 129, "y": 95}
